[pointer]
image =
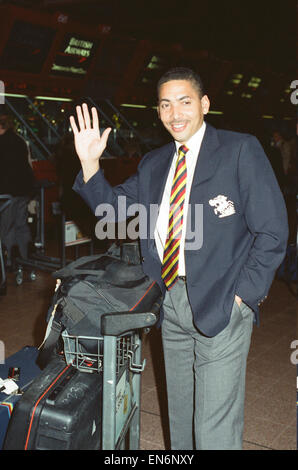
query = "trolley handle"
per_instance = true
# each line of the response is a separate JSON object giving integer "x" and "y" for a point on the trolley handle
{"x": 117, "y": 323}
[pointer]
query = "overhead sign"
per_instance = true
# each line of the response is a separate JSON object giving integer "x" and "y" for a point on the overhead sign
{"x": 74, "y": 56}
{"x": 27, "y": 47}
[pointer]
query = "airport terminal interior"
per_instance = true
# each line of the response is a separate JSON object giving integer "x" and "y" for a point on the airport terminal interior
{"x": 57, "y": 54}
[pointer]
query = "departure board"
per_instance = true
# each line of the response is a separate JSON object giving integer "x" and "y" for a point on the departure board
{"x": 27, "y": 47}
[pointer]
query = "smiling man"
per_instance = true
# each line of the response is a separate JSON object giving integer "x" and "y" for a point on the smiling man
{"x": 211, "y": 294}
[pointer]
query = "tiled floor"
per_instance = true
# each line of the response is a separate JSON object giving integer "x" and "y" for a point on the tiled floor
{"x": 270, "y": 416}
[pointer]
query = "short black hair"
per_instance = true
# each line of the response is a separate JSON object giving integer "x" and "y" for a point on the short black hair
{"x": 182, "y": 73}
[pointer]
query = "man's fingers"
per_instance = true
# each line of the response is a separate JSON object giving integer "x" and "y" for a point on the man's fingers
{"x": 95, "y": 119}
{"x": 86, "y": 116}
{"x": 80, "y": 118}
{"x": 73, "y": 125}
{"x": 105, "y": 135}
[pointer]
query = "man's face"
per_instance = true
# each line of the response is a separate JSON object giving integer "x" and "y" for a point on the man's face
{"x": 3, "y": 128}
{"x": 276, "y": 137}
{"x": 181, "y": 109}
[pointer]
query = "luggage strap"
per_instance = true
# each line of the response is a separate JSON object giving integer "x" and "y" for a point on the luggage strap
{"x": 47, "y": 348}
{"x": 55, "y": 328}
{"x": 73, "y": 269}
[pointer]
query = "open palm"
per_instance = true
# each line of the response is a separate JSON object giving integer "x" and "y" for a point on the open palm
{"x": 89, "y": 144}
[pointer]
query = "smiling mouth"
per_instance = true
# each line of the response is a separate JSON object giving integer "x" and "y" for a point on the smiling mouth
{"x": 178, "y": 127}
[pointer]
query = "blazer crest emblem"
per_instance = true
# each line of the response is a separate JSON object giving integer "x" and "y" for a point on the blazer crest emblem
{"x": 222, "y": 206}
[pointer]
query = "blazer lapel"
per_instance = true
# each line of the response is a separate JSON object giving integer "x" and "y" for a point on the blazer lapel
{"x": 160, "y": 172}
{"x": 208, "y": 158}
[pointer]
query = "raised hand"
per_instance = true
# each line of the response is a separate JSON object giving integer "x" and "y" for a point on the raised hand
{"x": 89, "y": 144}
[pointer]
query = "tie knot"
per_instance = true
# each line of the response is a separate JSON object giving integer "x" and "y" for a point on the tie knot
{"x": 183, "y": 149}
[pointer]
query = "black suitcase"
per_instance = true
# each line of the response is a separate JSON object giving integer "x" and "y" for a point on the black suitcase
{"x": 61, "y": 410}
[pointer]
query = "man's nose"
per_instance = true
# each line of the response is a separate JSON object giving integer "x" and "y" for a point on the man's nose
{"x": 176, "y": 112}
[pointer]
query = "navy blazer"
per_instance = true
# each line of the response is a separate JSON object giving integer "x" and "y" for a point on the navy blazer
{"x": 243, "y": 225}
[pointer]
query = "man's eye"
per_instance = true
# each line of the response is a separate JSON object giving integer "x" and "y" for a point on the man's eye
{"x": 186, "y": 102}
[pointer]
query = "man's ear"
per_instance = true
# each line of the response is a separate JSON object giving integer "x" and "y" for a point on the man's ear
{"x": 205, "y": 104}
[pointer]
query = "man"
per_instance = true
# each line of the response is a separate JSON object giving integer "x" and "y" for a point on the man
{"x": 213, "y": 283}
{"x": 17, "y": 180}
{"x": 285, "y": 149}
{"x": 288, "y": 155}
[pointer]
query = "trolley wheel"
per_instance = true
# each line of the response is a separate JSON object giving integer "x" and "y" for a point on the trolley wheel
{"x": 32, "y": 276}
{"x": 19, "y": 277}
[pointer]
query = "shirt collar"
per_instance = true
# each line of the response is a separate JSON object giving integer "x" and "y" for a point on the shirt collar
{"x": 195, "y": 141}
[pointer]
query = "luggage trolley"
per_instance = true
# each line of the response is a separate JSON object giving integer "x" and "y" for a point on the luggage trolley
{"x": 118, "y": 357}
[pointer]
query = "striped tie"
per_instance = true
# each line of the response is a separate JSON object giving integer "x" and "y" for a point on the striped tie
{"x": 169, "y": 270}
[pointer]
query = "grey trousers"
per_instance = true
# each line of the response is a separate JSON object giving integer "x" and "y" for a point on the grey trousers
{"x": 205, "y": 376}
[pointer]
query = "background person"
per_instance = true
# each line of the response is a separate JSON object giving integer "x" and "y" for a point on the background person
{"x": 17, "y": 180}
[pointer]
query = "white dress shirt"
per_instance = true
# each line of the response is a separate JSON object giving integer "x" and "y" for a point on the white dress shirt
{"x": 161, "y": 228}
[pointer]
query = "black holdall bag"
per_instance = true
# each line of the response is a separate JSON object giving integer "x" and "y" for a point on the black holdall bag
{"x": 93, "y": 286}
